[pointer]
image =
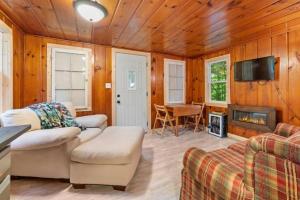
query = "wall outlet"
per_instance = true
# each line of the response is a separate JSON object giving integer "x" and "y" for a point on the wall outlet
{"x": 107, "y": 85}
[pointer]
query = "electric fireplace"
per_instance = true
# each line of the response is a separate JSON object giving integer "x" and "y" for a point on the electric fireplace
{"x": 258, "y": 118}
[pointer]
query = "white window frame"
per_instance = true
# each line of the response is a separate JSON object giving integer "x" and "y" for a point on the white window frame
{"x": 52, "y": 49}
{"x": 208, "y": 63}
{"x": 166, "y": 81}
{"x": 6, "y": 87}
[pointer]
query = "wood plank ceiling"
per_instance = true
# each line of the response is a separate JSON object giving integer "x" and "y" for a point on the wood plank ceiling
{"x": 180, "y": 27}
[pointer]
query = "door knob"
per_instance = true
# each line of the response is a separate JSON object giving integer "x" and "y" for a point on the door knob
{"x": 118, "y": 102}
{"x": 118, "y": 95}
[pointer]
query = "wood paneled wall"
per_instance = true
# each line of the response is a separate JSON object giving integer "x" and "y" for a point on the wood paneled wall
{"x": 283, "y": 42}
{"x": 157, "y": 80}
{"x": 18, "y": 59}
{"x": 35, "y": 73}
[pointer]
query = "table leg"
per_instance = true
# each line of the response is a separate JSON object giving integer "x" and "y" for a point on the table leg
{"x": 176, "y": 128}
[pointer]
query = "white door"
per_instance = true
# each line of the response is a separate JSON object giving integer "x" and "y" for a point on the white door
{"x": 131, "y": 90}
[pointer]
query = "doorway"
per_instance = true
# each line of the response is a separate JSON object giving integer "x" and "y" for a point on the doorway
{"x": 130, "y": 100}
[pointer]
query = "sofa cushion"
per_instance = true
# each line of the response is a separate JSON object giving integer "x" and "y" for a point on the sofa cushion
{"x": 40, "y": 139}
{"x": 88, "y": 134}
{"x": 92, "y": 121}
{"x": 116, "y": 145}
{"x": 219, "y": 176}
{"x": 20, "y": 117}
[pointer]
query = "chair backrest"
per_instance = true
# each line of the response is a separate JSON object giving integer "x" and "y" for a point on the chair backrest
{"x": 202, "y": 107}
{"x": 161, "y": 110}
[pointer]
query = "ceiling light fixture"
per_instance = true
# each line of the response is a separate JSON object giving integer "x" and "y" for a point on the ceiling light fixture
{"x": 90, "y": 10}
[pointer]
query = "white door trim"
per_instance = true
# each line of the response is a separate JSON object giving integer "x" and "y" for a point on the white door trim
{"x": 125, "y": 51}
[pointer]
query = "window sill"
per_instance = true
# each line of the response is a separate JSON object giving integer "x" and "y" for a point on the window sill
{"x": 83, "y": 109}
{"x": 222, "y": 105}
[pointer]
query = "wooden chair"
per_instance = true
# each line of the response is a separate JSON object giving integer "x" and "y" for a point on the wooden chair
{"x": 164, "y": 117}
{"x": 196, "y": 119}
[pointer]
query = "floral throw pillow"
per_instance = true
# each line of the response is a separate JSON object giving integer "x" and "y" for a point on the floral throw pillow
{"x": 54, "y": 115}
{"x": 49, "y": 116}
{"x": 67, "y": 118}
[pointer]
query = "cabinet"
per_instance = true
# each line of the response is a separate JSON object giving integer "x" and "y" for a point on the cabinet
{"x": 7, "y": 135}
{"x": 217, "y": 124}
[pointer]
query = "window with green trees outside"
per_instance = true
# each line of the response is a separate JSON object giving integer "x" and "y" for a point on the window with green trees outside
{"x": 217, "y": 76}
{"x": 218, "y": 81}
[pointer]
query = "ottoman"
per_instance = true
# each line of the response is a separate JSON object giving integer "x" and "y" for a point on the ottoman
{"x": 109, "y": 159}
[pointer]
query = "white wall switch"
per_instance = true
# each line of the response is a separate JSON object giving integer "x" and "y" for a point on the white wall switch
{"x": 107, "y": 85}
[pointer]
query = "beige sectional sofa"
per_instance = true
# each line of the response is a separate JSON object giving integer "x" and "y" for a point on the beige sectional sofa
{"x": 46, "y": 153}
{"x": 97, "y": 155}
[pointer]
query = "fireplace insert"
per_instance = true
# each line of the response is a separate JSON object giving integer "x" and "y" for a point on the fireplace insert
{"x": 258, "y": 118}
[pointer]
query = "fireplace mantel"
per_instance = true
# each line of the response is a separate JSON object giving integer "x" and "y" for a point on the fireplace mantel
{"x": 257, "y": 118}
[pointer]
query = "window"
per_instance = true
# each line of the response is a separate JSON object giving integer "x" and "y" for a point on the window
{"x": 131, "y": 80}
{"x": 174, "y": 81}
{"x": 217, "y": 80}
{"x": 71, "y": 80}
{"x": 6, "y": 68}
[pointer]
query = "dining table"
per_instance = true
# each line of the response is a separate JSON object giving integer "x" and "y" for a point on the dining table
{"x": 182, "y": 110}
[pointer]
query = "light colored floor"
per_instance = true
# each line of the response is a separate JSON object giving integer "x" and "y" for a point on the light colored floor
{"x": 157, "y": 176}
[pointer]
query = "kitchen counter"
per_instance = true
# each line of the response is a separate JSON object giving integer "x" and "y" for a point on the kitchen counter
{"x": 9, "y": 134}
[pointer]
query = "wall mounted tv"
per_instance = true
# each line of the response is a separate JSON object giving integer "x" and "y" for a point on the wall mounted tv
{"x": 255, "y": 70}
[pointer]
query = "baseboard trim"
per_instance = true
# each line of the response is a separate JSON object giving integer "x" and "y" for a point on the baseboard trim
{"x": 237, "y": 137}
{"x": 229, "y": 135}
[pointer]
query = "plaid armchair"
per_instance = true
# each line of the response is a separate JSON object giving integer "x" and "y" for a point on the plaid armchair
{"x": 264, "y": 167}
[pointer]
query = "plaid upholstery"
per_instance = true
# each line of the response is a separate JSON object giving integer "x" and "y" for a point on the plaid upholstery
{"x": 239, "y": 147}
{"x": 215, "y": 178}
{"x": 295, "y": 138}
{"x": 230, "y": 158}
{"x": 286, "y": 130}
{"x": 272, "y": 167}
{"x": 192, "y": 189}
{"x": 265, "y": 167}
{"x": 276, "y": 178}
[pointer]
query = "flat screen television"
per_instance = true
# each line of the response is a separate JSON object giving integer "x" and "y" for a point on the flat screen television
{"x": 255, "y": 70}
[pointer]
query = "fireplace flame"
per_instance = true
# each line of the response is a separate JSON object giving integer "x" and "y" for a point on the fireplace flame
{"x": 248, "y": 119}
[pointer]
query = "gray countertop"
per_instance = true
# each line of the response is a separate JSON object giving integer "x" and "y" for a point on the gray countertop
{"x": 9, "y": 134}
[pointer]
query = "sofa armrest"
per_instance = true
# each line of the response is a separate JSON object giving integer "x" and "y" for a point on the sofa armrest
{"x": 272, "y": 156}
{"x": 92, "y": 121}
{"x": 214, "y": 175}
{"x": 286, "y": 130}
{"x": 41, "y": 139}
{"x": 276, "y": 145}
{"x": 272, "y": 144}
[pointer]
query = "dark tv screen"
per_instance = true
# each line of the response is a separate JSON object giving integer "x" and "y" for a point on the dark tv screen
{"x": 255, "y": 70}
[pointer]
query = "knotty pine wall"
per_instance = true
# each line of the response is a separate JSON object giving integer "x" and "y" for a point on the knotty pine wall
{"x": 284, "y": 93}
{"x": 282, "y": 41}
{"x": 35, "y": 73}
{"x": 157, "y": 80}
{"x": 18, "y": 59}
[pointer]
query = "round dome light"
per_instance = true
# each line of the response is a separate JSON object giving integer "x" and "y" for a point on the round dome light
{"x": 90, "y": 10}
